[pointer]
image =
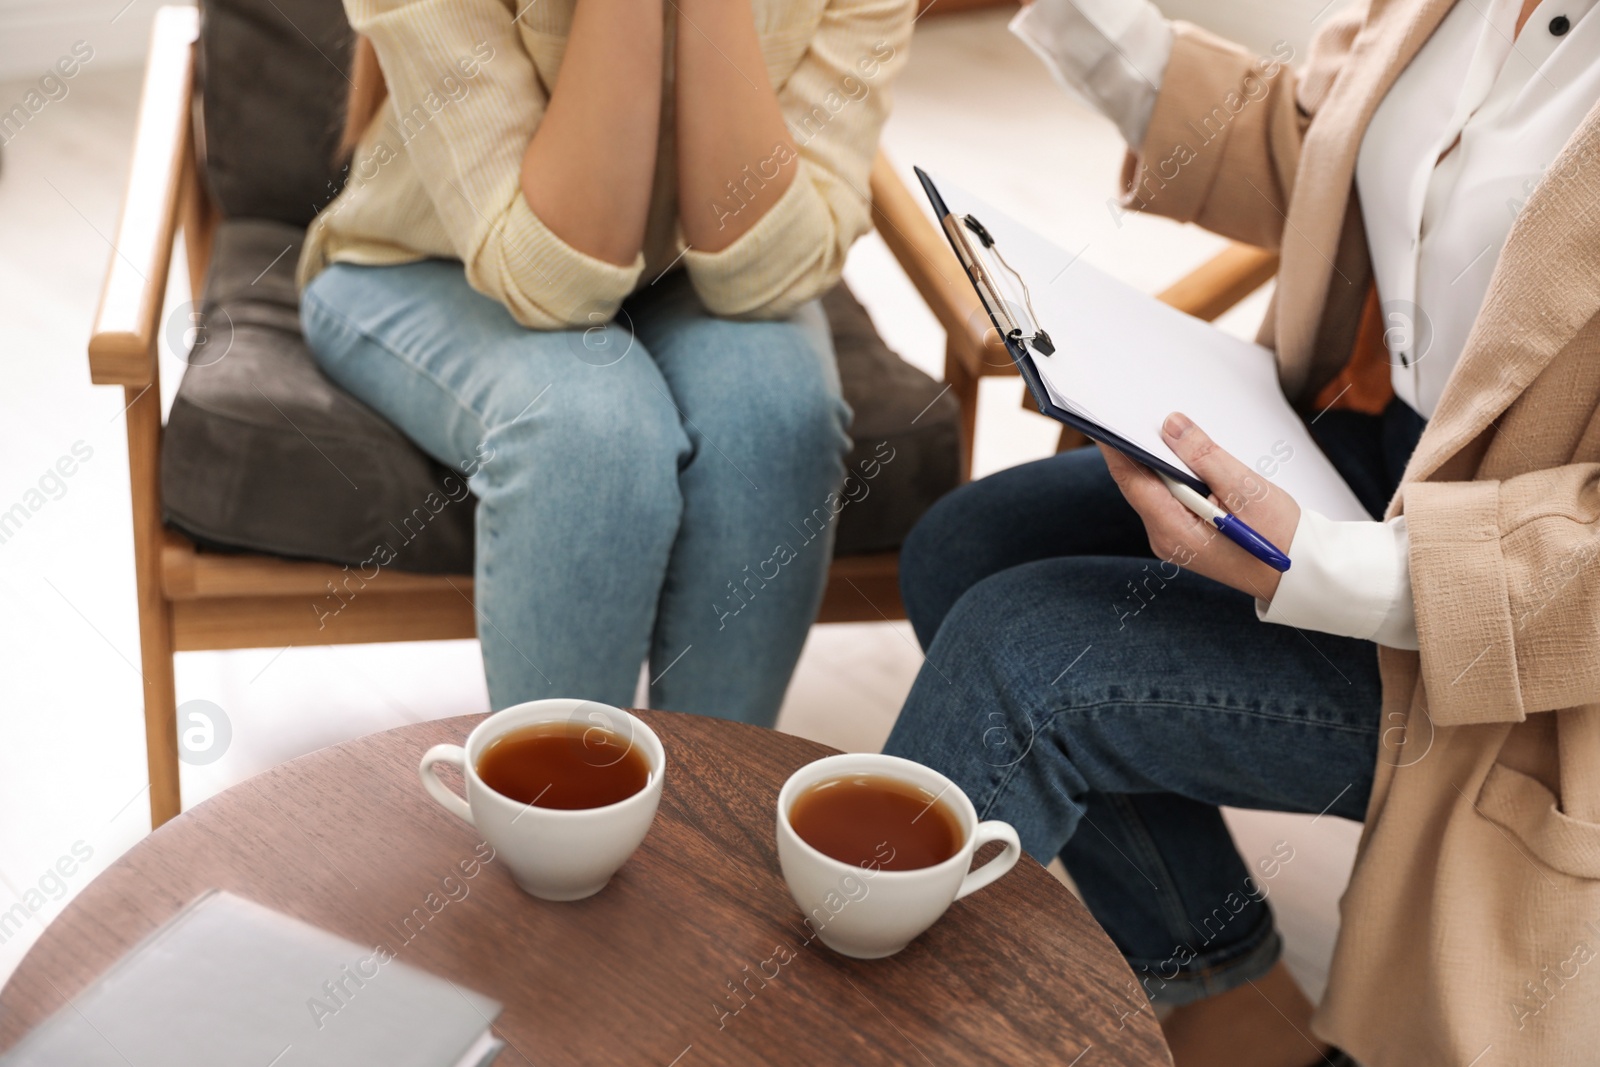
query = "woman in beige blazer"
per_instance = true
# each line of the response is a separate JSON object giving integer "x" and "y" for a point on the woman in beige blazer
{"x": 1430, "y": 175}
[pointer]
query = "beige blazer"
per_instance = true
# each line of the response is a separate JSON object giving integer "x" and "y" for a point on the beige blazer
{"x": 1471, "y": 928}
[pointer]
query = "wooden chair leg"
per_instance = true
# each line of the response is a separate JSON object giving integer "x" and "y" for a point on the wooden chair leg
{"x": 965, "y": 386}
{"x": 155, "y": 616}
{"x": 160, "y": 725}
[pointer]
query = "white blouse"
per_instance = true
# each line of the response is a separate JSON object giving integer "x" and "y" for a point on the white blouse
{"x": 1435, "y": 226}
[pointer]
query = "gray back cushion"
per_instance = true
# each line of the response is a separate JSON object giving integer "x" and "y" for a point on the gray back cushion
{"x": 273, "y": 79}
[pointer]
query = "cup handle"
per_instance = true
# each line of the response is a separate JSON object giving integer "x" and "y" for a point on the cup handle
{"x": 993, "y": 830}
{"x": 456, "y": 756}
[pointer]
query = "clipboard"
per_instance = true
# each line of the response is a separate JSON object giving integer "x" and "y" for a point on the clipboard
{"x": 976, "y": 250}
{"x": 1112, "y": 362}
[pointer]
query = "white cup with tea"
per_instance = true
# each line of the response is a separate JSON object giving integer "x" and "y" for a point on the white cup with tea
{"x": 876, "y": 848}
{"x": 565, "y": 791}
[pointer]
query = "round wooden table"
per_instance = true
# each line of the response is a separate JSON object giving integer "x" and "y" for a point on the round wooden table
{"x": 672, "y": 964}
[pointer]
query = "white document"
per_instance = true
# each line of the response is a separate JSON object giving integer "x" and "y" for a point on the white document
{"x": 1124, "y": 361}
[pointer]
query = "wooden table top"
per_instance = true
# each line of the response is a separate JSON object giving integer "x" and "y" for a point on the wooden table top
{"x": 647, "y": 971}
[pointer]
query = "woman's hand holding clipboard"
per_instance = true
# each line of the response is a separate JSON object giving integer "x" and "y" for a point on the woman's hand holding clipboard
{"x": 1177, "y": 533}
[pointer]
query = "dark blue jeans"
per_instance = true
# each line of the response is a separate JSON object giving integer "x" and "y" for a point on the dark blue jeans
{"x": 1105, "y": 702}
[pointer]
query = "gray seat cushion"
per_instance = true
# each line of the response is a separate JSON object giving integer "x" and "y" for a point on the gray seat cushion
{"x": 262, "y": 451}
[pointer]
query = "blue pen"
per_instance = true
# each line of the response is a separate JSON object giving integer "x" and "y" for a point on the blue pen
{"x": 1232, "y": 527}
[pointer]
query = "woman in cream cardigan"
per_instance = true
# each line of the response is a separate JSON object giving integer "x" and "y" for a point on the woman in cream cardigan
{"x": 578, "y": 257}
{"x": 1435, "y": 671}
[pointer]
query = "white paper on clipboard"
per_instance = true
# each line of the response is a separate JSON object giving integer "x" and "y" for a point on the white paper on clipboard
{"x": 1124, "y": 361}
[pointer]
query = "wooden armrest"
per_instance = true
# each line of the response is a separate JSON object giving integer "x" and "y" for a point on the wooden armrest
{"x": 122, "y": 348}
{"x": 1221, "y": 281}
{"x": 925, "y": 256}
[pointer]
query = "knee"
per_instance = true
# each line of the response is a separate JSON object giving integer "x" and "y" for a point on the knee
{"x": 787, "y": 406}
{"x": 936, "y": 563}
{"x": 930, "y": 544}
{"x": 984, "y": 627}
{"x": 618, "y": 448}
{"x": 971, "y": 695}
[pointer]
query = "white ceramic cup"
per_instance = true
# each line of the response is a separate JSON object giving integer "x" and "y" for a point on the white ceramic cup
{"x": 867, "y": 913}
{"x": 554, "y": 854}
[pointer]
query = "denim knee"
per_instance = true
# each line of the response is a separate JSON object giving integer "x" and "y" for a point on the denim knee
{"x": 622, "y": 446}
{"x": 791, "y": 415}
{"x": 932, "y": 566}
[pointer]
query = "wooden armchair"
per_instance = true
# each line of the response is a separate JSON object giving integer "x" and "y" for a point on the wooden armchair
{"x": 190, "y": 600}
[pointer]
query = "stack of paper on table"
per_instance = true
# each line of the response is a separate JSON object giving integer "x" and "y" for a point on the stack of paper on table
{"x": 229, "y": 983}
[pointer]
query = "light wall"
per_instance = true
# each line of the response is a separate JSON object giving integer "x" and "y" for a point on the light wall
{"x": 1257, "y": 24}
{"x": 34, "y": 34}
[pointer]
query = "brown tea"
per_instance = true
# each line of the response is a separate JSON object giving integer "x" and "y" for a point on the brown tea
{"x": 876, "y": 820}
{"x": 563, "y": 765}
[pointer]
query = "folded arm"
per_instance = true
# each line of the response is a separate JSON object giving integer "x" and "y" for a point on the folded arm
{"x": 1223, "y": 141}
{"x": 467, "y": 105}
{"x": 729, "y": 125}
{"x": 776, "y": 219}
{"x": 589, "y": 165}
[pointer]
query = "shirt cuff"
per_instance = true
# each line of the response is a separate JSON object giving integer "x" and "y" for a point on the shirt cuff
{"x": 1113, "y": 53}
{"x": 1347, "y": 578}
{"x": 765, "y": 271}
{"x": 545, "y": 282}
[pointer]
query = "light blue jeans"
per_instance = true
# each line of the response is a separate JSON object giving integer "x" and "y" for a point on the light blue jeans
{"x": 633, "y": 480}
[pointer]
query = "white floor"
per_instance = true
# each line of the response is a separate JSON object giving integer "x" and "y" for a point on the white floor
{"x": 71, "y": 746}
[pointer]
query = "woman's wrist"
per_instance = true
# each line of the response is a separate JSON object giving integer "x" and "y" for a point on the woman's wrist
{"x": 593, "y": 190}
{"x": 730, "y": 125}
